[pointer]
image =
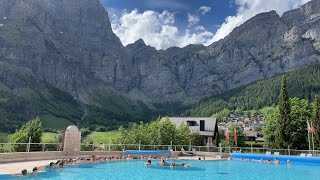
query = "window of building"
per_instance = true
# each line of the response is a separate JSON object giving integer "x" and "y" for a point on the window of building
{"x": 192, "y": 123}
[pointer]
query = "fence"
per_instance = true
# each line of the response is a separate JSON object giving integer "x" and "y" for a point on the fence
{"x": 36, "y": 147}
{"x": 29, "y": 147}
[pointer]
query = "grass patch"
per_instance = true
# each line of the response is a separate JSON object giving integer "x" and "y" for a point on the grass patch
{"x": 101, "y": 137}
{"x": 48, "y": 137}
{"x": 50, "y": 121}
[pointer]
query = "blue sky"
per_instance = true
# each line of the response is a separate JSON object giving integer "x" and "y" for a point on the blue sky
{"x": 220, "y": 9}
{"x": 166, "y": 23}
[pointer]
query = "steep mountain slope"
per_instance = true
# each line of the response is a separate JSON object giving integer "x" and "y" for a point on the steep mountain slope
{"x": 68, "y": 52}
{"x": 302, "y": 83}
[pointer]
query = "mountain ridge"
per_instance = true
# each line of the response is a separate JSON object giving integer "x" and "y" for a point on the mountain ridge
{"x": 69, "y": 45}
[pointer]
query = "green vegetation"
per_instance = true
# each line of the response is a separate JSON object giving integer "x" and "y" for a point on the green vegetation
{"x": 34, "y": 99}
{"x": 101, "y": 137}
{"x": 231, "y": 143}
{"x": 157, "y": 132}
{"x": 52, "y": 122}
{"x": 286, "y": 126}
{"x": 3, "y": 137}
{"x": 316, "y": 118}
{"x": 31, "y": 131}
{"x": 48, "y": 137}
{"x": 58, "y": 109}
{"x": 283, "y": 124}
{"x": 302, "y": 83}
{"x": 300, "y": 113}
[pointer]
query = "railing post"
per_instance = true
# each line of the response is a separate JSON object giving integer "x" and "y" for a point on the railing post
{"x": 139, "y": 145}
{"x": 289, "y": 150}
{"x": 251, "y": 149}
{"x": 43, "y": 147}
{"x": 28, "y": 145}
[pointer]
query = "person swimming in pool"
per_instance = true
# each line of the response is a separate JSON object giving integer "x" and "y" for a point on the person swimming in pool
{"x": 60, "y": 166}
{"x": 51, "y": 165}
{"x": 288, "y": 162}
{"x": 185, "y": 165}
{"x": 261, "y": 160}
{"x": 162, "y": 163}
{"x": 173, "y": 165}
{"x": 148, "y": 163}
{"x": 269, "y": 161}
{"x": 24, "y": 172}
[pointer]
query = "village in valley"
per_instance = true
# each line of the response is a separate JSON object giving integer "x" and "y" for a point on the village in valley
{"x": 251, "y": 125}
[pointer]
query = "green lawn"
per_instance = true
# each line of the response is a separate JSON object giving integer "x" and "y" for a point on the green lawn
{"x": 49, "y": 121}
{"x": 95, "y": 137}
{"x": 49, "y": 137}
{"x": 101, "y": 137}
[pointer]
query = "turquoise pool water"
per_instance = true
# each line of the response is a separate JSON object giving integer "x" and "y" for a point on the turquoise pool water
{"x": 200, "y": 170}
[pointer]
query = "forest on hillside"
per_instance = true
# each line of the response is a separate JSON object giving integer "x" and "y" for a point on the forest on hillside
{"x": 302, "y": 83}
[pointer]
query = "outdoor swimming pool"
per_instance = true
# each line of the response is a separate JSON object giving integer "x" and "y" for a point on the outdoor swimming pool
{"x": 135, "y": 169}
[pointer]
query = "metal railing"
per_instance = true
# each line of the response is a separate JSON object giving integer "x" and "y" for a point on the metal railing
{"x": 40, "y": 147}
{"x": 120, "y": 147}
{"x": 29, "y": 147}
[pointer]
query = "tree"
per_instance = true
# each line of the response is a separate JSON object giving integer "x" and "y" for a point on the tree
{"x": 231, "y": 143}
{"x": 300, "y": 113}
{"x": 238, "y": 111}
{"x": 85, "y": 132}
{"x": 33, "y": 130}
{"x": 283, "y": 130}
{"x": 183, "y": 135}
{"x": 257, "y": 129}
{"x": 223, "y": 114}
{"x": 270, "y": 129}
{"x": 197, "y": 140}
{"x": 167, "y": 131}
{"x": 316, "y": 118}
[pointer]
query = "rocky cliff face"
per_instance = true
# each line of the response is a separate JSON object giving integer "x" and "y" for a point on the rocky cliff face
{"x": 70, "y": 45}
{"x": 262, "y": 47}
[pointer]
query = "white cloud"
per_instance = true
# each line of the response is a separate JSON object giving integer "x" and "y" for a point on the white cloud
{"x": 249, "y": 8}
{"x": 193, "y": 19}
{"x": 160, "y": 31}
{"x": 156, "y": 29}
{"x": 204, "y": 10}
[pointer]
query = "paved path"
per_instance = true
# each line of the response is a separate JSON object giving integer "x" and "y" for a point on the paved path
{"x": 14, "y": 168}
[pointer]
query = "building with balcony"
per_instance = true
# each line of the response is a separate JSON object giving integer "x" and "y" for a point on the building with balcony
{"x": 204, "y": 126}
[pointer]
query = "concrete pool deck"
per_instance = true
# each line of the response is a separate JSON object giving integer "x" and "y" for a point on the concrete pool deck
{"x": 17, "y": 167}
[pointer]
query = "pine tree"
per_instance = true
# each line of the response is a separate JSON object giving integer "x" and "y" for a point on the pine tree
{"x": 316, "y": 118}
{"x": 283, "y": 129}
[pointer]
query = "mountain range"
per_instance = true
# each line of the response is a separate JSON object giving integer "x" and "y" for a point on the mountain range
{"x": 61, "y": 61}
